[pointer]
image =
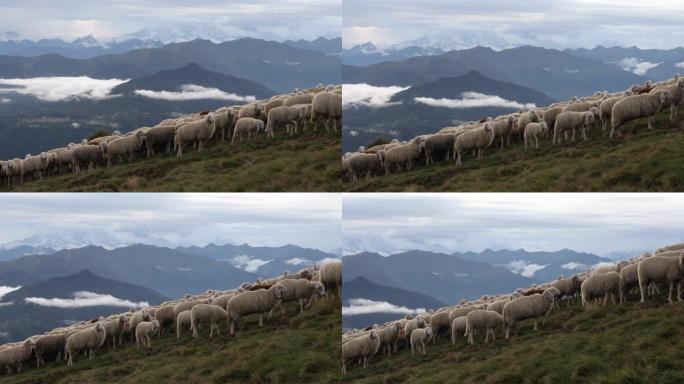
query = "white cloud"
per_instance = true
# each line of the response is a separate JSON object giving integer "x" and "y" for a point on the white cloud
{"x": 680, "y": 64}
{"x": 365, "y": 306}
{"x": 248, "y": 264}
{"x": 5, "y": 290}
{"x": 298, "y": 261}
{"x": 85, "y": 299}
{"x": 181, "y": 269}
{"x": 193, "y": 92}
{"x": 365, "y": 95}
{"x": 76, "y": 125}
{"x": 474, "y": 100}
{"x": 573, "y": 266}
{"x": 61, "y": 88}
{"x": 522, "y": 268}
{"x": 4, "y": 100}
{"x": 632, "y": 64}
{"x": 6, "y": 304}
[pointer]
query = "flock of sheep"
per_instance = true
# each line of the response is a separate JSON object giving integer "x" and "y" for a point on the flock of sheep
{"x": 646, "y": 274}
{"x": 184, "y": 315}
{"x": 305, "y": 107}
{"x": 555, "y": 121}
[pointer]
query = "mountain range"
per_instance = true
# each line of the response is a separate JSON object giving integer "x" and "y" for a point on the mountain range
{"x": 20, "y": 318}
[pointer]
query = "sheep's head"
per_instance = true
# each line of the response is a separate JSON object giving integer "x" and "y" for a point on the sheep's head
{"x": 664, "y": 97}
{"x": 420, "y": 322}
{"x": 320, "y": 288}
{"x": 588, "y": 118}
{"x": 428, "y": 331}
{"x": 211, "y": 118}
{"x": 533, "y": 116}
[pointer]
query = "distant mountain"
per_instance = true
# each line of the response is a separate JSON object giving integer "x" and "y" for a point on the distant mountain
{"x": 177, "y": 33}
{"x": 368, "y": 54}
{"x": 81, "y": 48}
{"x": 361, "y": 287}
{"x": 23, "y": 250}
{"x": 21, "y": 319}
{"x": 47, "y": 242}
{"x": 321, "y": 44}
{"x": 447, "y": 278}
{"x": 555, "y": 73}
{"x": 542, "y": 266}
{"x": 173, "y": 79}
{"x": 168, "y": 271}
{"x": 409, "y": 118}
{"x": 655, "y": 63}
{"x": 265, "y": 261}
{"x": 277, "y": 66}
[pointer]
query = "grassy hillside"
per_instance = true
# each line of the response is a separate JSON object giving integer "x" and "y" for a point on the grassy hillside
{"x": 306, "y": 162}
{"x": 629, "y": 343}
{"x": 640, "y": 160}
{"x": 296, "y": 349}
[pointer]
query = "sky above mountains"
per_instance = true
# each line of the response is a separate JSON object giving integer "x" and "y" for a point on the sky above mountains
{"x": 266, "y": 19}
{"x": 597, "y": 223}
{"x": 500, "y": 23}
{"x": 307, "y": 219}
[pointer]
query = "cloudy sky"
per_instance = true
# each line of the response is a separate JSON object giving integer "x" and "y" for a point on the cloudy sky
{"x": 270, "y": 19}
{"x": 273, "y": 219}
{"x": 548, "y": 23}
{"x": 600, "y": 222}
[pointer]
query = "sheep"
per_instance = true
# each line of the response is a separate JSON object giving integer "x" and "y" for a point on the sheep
{"x": 143, "y": 332}
{"x": 677, "y": 92}
{"x": 502, "y": 128}
{"x": 35, "y": 164}
{"x": 532, "y": 133}
{"x": 629, "y": 278}
{"x": 183, "y": 321}
{"x": 330, "y": 274}
{"x": 115, "y": 327}
{"x": 667, "y": 269}
{"x": 402, "y": 154}
{"x": 15, "y": 356}
{"x": 482, "y": 319}
{"x": 479, "y": 139}
{"x": 567, "y": 287}
{"x": 64, "y": 159}
{"x": 600, "y": 285}
{"x": 363, "y": 165}
{"x": 165, "y": 316}
{"x": 207, "y": 313}
{"x": 260, "y": 301}
{"x": 277, "y": 102}
{"x": 457, "y": 325}
{"x": 12, "y": 170}
{"x": 386, "y": 147}
{"x": 439, "y": 322}
{"x": 88, "y": 155}
{"x": 188, "y": 304}
{"x": 638, "y": 89}
{"x": 248, "y": 125}
{"x": 283, "y": 115}
{"x": 137, "y": 317}
{"x": 419, "y": 338}
{"x": 388, "y": 334}
{"x": 439, "y": 143}
{"x": 523, "y": 120}
{"x": 673, "y": 247}
{"x": 300, "y": 290}
{"x": 199, "y": 131}
{"x": 127, "y": 145}
{"x": 606, "y": 110}
{"x": 304, "y": 98}
{"x": 225, "y": 121}
{"x": 89, "y": 339}
{"x": 409, "y": 326}
{"x": 550, "y": 116}
{"x": 462, "y": 311}
{"x": 49, "y": 344}
{"x": 497, "y": 305}
{"x": 637, "y": 106}
{"x": 566, "y": 121}
{"x": 222, "y": 300}
{"x": 528, "y": 307}
{"x": 255, "y": 110}
{"x": 360, "y": 348}
{"x": 328, "y": 106}
{"x": 159, "y": 136}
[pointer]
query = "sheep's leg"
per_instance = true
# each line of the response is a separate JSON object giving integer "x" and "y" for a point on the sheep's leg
{"x": 669, "y": 297}
{"x": 261, "y": 320}
{"x": 651, "y": 122}
{"x": 535, "y": 325}
{"x": 487, "y": 336}
{"x": 301, "y": 305}
{"x": 641, "y": 290}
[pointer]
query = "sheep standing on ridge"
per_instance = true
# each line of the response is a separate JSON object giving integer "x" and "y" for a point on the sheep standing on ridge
{"x": 49, "y": 344}
{"x": 89, "y": 340}
{"x": 532, "y": 133}
{"x": 126, "y": 145}
{"x": 439, "y": 143}
{"x": 600, "y": 285}
{"x": 300, "y": 290}
{"x": 327, "y": 106}
{"x": 144, "y": 331}
{"x": 16, "y": 355}
{"x": 665, "y": 269}
{"x": 260, "y": 301}
{"x": 360, "y": 348}
{"x": 528, "y": 307}
{"x": 482, "y": 319}
{"x": 183, "y": 321}
{"x": 571, "y": 121}
{"x": 248, "y": 125}
{"x": 637, "y": 106}
{"x": 199, "y": 131}
{"x": 330, "y": 274}
{"x": 207, "y": 314}
{"x": 458, "y": 325}
{"x": 401, "y": 155}
{"x": 419, "y": 338}
{"x": 479, "y": 139}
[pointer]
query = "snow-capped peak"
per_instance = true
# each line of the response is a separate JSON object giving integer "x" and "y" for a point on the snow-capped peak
{"x": 365, "y": 48}
{"x": 177, "y": 34}
{"x": 9, "y": 35}
{"x": 87, "y": 41}
{"x": 68, "y": 240}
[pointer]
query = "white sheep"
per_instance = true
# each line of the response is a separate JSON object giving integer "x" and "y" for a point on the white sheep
{"x": 600, "y": 285}
{"x": 528, "y": 307}
{"x": 122, "y": 146}
{"x": 482, "y": 319}
{"x": 661, "y": 269}
{"x": 523, "y": 120}
{"x": 439, "y": 143}
{"x": 283, "y": 115}
{"x": 330, "y": 274}
{"x": 207, "y": 314}
{"x": 458, "y": 325}
{"x": 16, "y": 355}
{"x": 676, "y": 90}
{"x": 160, "y": 136}
{"x": 362, "y": 165}
{"x": 88, "y": 340}
{"x": 629, "y": 278}
{"x": 115, "y": 327}
{"x": 637, "y": 106}
{"x": 532, "y": 133}
{"x": 259, "y": 301}
{"x": 571, "y": 121}
{"x": 144, "y": 331}
{"x": 199, "y": 131}
{"x": 328, "y": 106}
{"x": 420, "y": 337}
{"x": 479, "y": 139}
{"x": 300, "y": 290}
{"x": 389, "y": 333}
{"x": 404, "y": 154}
{"x": 247, "y": 125}
{"x": 360, "y": 348}
{"x": 183, "y": 321}
{"x": 48, "y": 344}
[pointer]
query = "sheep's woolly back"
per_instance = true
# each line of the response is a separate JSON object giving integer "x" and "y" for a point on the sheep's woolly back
{"x": 364, "y": 346}
{"x": 636, "y": 106}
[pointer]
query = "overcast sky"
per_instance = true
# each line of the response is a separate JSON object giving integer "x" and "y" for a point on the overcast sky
{"x": 306, "y": 219}
{"x": 548, "y": 23}
{"x": 270, "y": 19}
{"x": 597, "y": 222}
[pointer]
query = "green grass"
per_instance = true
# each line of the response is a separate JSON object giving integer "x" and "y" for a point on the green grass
{"x": 640, "y": 160}
{"x": 295, "y": 349}
{"x": 628, "y": 343}
{"x": 307, "y": 162}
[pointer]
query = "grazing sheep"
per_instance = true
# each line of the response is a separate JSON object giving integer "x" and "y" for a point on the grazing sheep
{"x": 479, "y": 139}
{"x": 528, "y": 307}
{"x": 137, "y": 317}
{"x": 188, "y": 304}
{"x": 363, "y": 165}
{"x": 330, "y": 274}
{"x": 637, "y": 106}
{"x": 12, "y": 170}
{"x": 89, "y": 339}
{"x": 388, "y": 334}
{"x": 114, "y": 328}
{"x": 360, "y": 348}
{"x": 49, "y": 344}
{"x": 328, "y": 106}
{"x": 550, "y": 117}
{"x": 567, "y": 287}
{"x": 404, "y": 154}
{"x": 88, "y": 155}
{"x": 439, "y": 143}
{"x": 502, "y": 128}
{"x": 255, "y": 110}
{"x": 283, "y": 115}
{"x": 571, "y": 121}
{"x": 160, "y": 136}
{"x": 661, "y": 269}
{"x": 165, "y": 316}
{"x": 600, "y": 285}
{"x": 301, "y": 290}
{"x": 183, "y": 321}
{"x": 677, "y": 92}
{"x": 462, "y": 311}
{"x": 248, "y": 125}
{"x": 420, "y": 337}
{"x": 260, "y": 301}
{"x": 523, "y": 120}
{"x": 127, "y": 145}
{"x": 15, "y": 356}
{"x": 532, "y": 133}
{"x": 629, "y": 278}
{"x": 143, "y": 332}
{"x": 225, "y": 121}
{"x": 458, "y": 325}
{"x": 606, "y": 110}
{"x": 207, "y": 313}
{"x": 439, "y": 322}
{"x": 35, "y": 164}
{"x": 199, "y": 131}
{"x": 482, "y": 319}
{"x": 409, "y": 326}
{"x": 497, "y": 306}
{"x": 222, "y": 300}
